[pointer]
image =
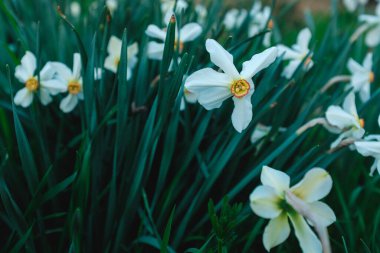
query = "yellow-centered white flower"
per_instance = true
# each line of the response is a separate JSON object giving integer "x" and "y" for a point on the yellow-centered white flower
{"x": 234, "y": 18}
{"x": 73, "y": 82}
{"x": 370, "y": 146}
{"x": 372, "y": 38}
{"x": 187, "y": 33}
{"x": 212, "y": 87}
{"x": 114, "y": 52}
{"x": 46, "y": 86}
{"x": 268, "y": 201}
{"x": 345, "y": 120}
{"x": 260, "y": 20}
{"x": 362, "y": 76}
{"x": 352, "y": 5}
{"x": 297, "y": 53}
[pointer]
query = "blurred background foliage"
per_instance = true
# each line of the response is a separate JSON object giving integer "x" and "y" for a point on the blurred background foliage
{"x": 112, "y": 178}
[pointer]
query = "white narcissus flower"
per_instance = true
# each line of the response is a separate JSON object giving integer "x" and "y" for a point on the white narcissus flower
{"x": 168, "y": 6}
{"x": 269, "y": 201}
{"x": 260, "y": 19}
{"x": 111, "y": 5}
{"x": 47, "y": 86}
{"x": 370, "y": 146}
{"x": 201, "y": 11}
{"x": 345, "y": 121}
{"x": 352, "y": 5}
{"x": 114, "y": 51}
{"x": 75, "y": 9}
{"x": 187, "y": 33}
{"x": 297, "y": 53}
{"x": 212, "y": 87}
{"x": 234, "y": 18}
{"x": 372, "y": 38}
{"x": 362, "y": 76}
{"x": 72, "y": 81}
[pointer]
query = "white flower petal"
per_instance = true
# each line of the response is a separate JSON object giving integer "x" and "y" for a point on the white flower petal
{"x": 350, "y": 5}
{"x": 68, "y": 103}
{"x": 154, "y": 31}
{"x": 372, "y": 38}
{"x": 367, "y": 63}
{"x": 54, "y": 86}
{"x": 276, "y": 179}
{"x": 291, "y": 68}
{"x": 355, "y": 67}
{"x": 322, "y": 213}
{"x": 62, "y": 70}
{"x": 303, "y": 39}
{"x": 242, "y": 113}
{"x": 365, "y": 93}
{"x": 132, "y": 52}
{"x": 258, "y": 62}
{"x": 190, "y": 96}
{"x": 221, "y": 58}
{"x": 23, "y": 97}
{"x": 368, "y": 148}
{"x": 264, "y": 202}
{"x": 77, "y": 66}
{"x": 110, "y": 63}
{"x": 349, "y": 104}
{"x": 190, "y": 32}
{"x": 336, "y": 116}
{"x": 22, "y": 74}
{"x": 45, "y": 97}
{"x": 47, "y": 72}
{"x": 276, "y": 232}
{"x": 308, "y": 241}
{"x": 288, "y": 53}
{"x": 114, "y": 46}
{"x": 315, "y": 185}
{"x": 29, "y": 62}
{"x": 155, "y": 50}
{"x": 207, "y": 77}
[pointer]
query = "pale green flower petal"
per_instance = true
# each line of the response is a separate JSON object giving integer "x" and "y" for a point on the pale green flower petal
{"x": 276, "y": 232}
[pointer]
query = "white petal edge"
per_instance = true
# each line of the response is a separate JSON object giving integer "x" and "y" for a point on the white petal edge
{"x": 264, "y": 202}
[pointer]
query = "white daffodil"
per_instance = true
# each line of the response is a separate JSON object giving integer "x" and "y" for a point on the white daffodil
{"x": 345, "y": 120}
{"x": 362, "y": 76}
{"x": 47, "y": 86}
{"x": 111, "y": 5}
{"x": 260, "y": 19}
{"x": 352, "y": 5}
{"x": 73, "y": 82}
{"x": 114, "y": 51}
{"x": 372, "y": 38}
{"x": 370, "y": 146}
{"x": 201, "y": 12}
{"x": 187, "y": 33}
{"x": 297, "y": 53}
{"x": 75, "y": 9}
{"x": 212, "y": 87}
{"x": 167, "y": 8}
{"x": 234, "y": 18}
{"x": 269, "y": 201}
{"x": 188, "y": 97}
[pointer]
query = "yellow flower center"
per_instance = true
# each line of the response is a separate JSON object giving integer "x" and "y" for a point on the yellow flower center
{"x": 307, "y": 61}
{"x": 31, "y": 84}
{"x": 240, "y": 88}
{"x": 371, "y": 77}
{"x": 270, "y": 24}
{"x": 74, "y": 87}
{"x": 361, "y": 122}
{"x": 178, "y": 45}
{"x": 117, "y": 61}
